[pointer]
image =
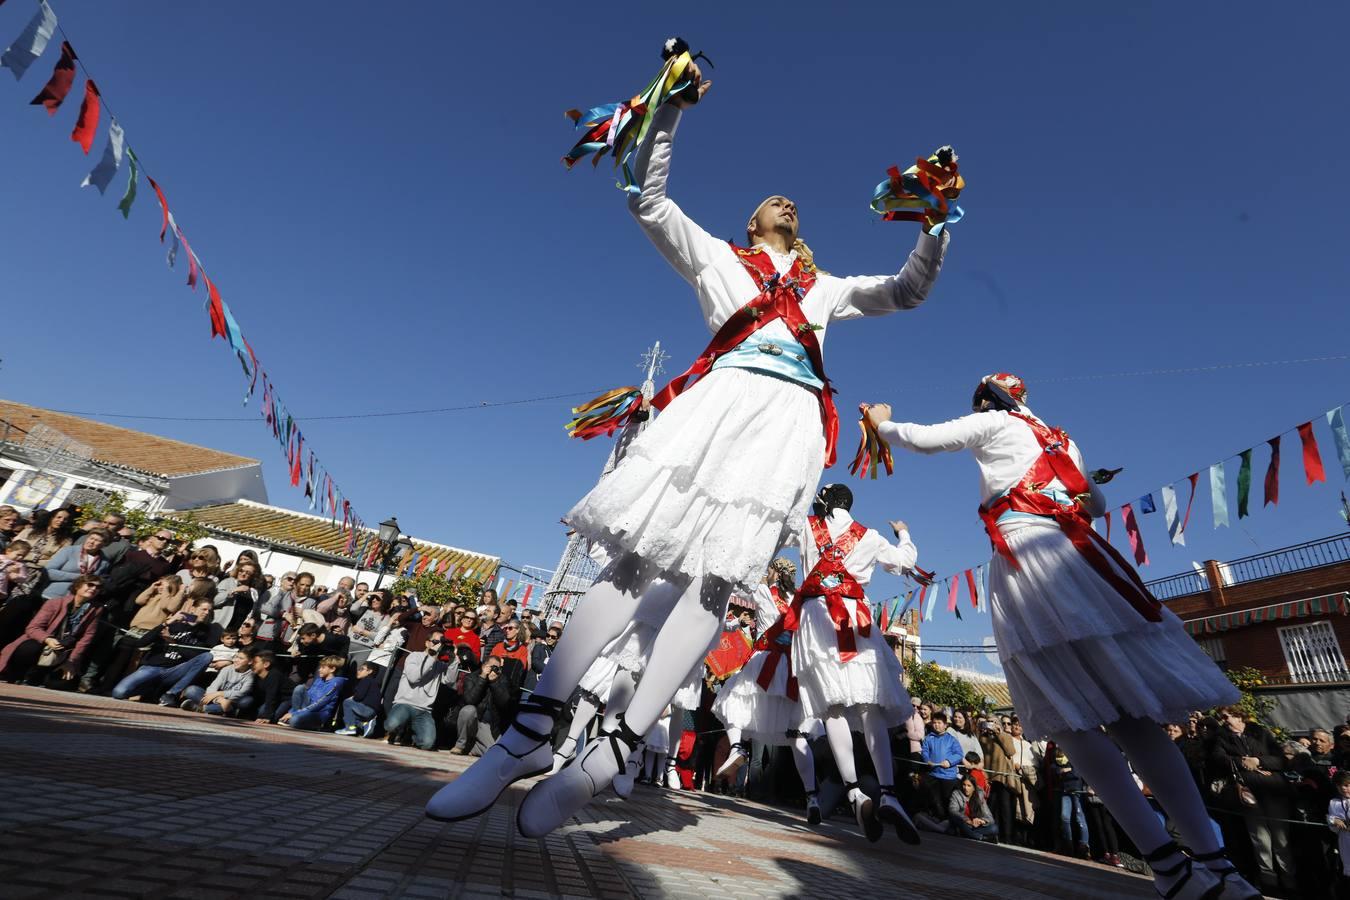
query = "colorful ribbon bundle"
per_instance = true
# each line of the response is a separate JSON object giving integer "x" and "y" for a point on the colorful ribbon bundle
{"x": 605, "y": 414}
{"x": 620, "y": 127}
{"x": 921, "y": 192}
{"x": 872, "y": 450}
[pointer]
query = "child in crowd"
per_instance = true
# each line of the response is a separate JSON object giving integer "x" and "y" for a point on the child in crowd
{"x": 13, "y": 571}
{"x": 222, "y": 654}
{"x": 231, "y": 686}
{"x": 974, "y": 767}
{"x": 969, "y": 814}
{"x": 1338, "y": 818}
{"x": 313, "y": 707}
{"x": 361, "y": 711}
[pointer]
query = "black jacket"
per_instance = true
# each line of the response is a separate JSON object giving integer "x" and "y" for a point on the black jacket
{"x": 185, "y": 640}
{"x": 1229, "y": 748}
{"x": 268, "y": 691}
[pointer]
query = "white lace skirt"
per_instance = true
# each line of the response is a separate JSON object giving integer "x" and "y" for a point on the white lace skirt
{"x": 717, "y": 484}
{"x": 1077, "y": 655}
{"x": 658, "y": 739}
{"x": 872, "y": 677}
{"x": 762, "y": 714}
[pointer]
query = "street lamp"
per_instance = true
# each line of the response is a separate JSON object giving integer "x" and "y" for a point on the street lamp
{"x": 395, "y": 546}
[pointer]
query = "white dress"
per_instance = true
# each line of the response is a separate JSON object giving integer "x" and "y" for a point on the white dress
{"x": 873, "y": 677}
{"x": 723, "y": 477}
{"x": 1076, "y": 654}
{"x": 764, "y": 714}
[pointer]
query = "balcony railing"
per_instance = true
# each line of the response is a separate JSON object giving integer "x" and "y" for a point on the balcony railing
{"x": 1312, "y": 555}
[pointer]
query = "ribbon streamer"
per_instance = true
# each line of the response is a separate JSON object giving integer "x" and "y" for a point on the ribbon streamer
{"x": 873, "y": 450}
{"x": 1272, "y": 485}
{"x": 31, "y": 42}
{"x": 605, "y": 414}
{"x": 87, "y": 123}
{"x": 1218, "y": 493}
{"x": 1312, "y": 458}
{"x": 921, "y": 193}
{"x": 54, "y": 92}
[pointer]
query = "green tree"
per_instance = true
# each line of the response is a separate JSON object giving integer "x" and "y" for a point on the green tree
{"x": 187, "y": 528}
{"x": 437, "y": 590}
{"x": 1256, "y": 706}
{"x": 934, "y": 684}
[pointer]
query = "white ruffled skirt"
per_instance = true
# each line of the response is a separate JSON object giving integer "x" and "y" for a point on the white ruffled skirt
{"x": 873, "y": 677}
{"x": 1075, "y": 652}
{"x": 763, "y": 714}
{"x": 716, "y": 484}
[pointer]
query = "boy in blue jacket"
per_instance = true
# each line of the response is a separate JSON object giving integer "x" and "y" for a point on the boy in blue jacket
{"x": 943, "y": 753}
{"x": 361, "y": 711}
{"x": 312, "y": 707}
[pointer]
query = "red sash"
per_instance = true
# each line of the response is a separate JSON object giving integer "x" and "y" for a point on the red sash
{"x": 779, "y": 298}
{"x": 768, "y": 642}
{"x": 1055, "y": 463}
{"x": 833, "y": 552}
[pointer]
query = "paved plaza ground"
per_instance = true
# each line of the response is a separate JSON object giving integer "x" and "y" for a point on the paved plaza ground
{"x": 107, "y": 798}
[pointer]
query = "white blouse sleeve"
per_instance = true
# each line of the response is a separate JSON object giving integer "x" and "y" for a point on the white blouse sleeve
{"x": 766, "y": 611}
{"x": 964, "y": 433}
{"x": 686, "y": 246}
{"x": 878, "y": 295}
{"x": 898, "y": 558}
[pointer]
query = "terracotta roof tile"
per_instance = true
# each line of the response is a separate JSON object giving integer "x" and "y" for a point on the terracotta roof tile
{"x": 136, "y": 450}
{"x": 302, "y": 531}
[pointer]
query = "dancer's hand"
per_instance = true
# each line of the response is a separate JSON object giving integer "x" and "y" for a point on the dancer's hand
{"x": 693, "y": 73}
{"x": 898, "y": 525}
{"x": 878, "y": 413}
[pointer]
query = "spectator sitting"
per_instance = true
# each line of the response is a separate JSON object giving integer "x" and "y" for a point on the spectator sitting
{"x": 467, "y": 634}
{"x": 372, "y": 627}
{"x": 491, "y": 632}
{"x": 156, "y": 603}
{"x": 222, "y": 654}
{"x": 421, "y": 680}
{"x": 51, "y": 532}
{"x": 361, "y": 711}
{"x": 487, "y": 700}
{"x": 248, "y": 638}
{"x": 268, "y": 687}
{"x": 57, "y": 639}
{"x": 69, "y": 563}
{"x": 968, "y": 813}
{"x": 313, "y": 707}
{"x": 14, "y": 572}
{"x": 175, "y": 656}
{"x": 230, "y": 688}
{"x": 312, "y": 644}
{"x": 422, "y": 626}
{"x": 943, "y": 753}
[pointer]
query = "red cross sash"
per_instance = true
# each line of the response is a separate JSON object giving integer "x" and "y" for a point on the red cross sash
{"x": 833, "y": 583}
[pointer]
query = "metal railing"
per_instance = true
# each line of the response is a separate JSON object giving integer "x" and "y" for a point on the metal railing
{"x": 1314, "y": 554}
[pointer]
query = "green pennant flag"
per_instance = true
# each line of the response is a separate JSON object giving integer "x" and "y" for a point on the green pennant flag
{"x": 130, "y": 196}
{"x": 1244, "y": 482}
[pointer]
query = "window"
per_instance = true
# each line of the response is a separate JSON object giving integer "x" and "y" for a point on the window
{"x": 1214, "y": 649}
{"x": 1313, "y": 653}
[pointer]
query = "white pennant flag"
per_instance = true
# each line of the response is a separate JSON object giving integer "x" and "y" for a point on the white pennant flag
{"x": 933, "y": 601}
{"x": 172, "y": 256}
{"x": 102, "y": 174}
{"x": 28, "y": 46}
{"x": 1169, "y": 497}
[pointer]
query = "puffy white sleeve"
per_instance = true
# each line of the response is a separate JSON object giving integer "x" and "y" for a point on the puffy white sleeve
{"x": 878, "y": 295}
{"x": 686, "y": 246}
{"x": 766, "y": 611}
{"x": 964, "y": 433}
{"x": 899, "y": 557}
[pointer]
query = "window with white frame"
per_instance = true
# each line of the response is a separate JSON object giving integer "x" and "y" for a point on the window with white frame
{"x": 1214, "y": 648}
{"x": 1313, "y": 653}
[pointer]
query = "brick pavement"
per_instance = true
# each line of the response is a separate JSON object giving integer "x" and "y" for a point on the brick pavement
{"x": 101, "y": 798}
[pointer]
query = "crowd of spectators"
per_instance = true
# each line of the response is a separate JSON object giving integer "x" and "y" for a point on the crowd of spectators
{"x": 92, "y": 608}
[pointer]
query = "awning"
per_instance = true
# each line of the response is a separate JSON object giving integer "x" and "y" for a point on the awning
{"x": 1292, "y": 609}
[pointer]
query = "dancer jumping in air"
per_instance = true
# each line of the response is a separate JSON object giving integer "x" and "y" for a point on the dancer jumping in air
{"x": 761, "y": 702}
{"x": 849, "y": 676}
{"x": 1092, "y": 659}
{"x": 706, "y": 495}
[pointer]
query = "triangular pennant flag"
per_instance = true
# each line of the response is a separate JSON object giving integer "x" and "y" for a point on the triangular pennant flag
{"x": 971, "y": 589}
{"x": 1132, "y": 532}
{"x": 1146, "y": 504}
{"x": 1336, "y": 422}
{"x": 937, "y": 598}
{"x": 54, "y": 92}
{"x": 525, "y": 601}
{"x": 216, "y": 307}
{"x": 1272, "y": 492}
{"x": 953, "y": 593}
{"x": 86, "y": 126}
{"x": 1193, "y": 478}
{"x": 163, "y": 208}
{"x": 1174, "y": 532}
{"x": 1218, "y": 493}
{"x": 1312, "y": 457}
{"x": 1244, "y": 482}
{"x": 30, "y": 43}
{"x": 102, "y": 174}
{"x": 130, "y": 196}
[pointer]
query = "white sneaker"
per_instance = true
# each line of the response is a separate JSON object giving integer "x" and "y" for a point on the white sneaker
{"x": 479, "y": 786}
{"x": 557, "y": 798}
{"x": 735, "y": 759}
{"x": 673, "y": 776}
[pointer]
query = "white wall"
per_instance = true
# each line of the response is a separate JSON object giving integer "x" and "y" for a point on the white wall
{"x": 210, "y": 488}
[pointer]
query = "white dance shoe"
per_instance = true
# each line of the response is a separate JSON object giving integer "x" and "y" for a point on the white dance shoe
{"x": 521, "y": 752}
{"x": 892, "y": 813}
{"x": 565, "y": 753}
{"x": 673, "y": 775}
{"x": 812, "y": 808}
{"x": 865, "y": 812}
{"x": 623, "y": 782}
{"x": 735, "y": 759}
{"x": 557, "y": 798}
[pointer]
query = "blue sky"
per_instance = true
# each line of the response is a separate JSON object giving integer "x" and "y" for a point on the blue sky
{"x": 376, "y": 190}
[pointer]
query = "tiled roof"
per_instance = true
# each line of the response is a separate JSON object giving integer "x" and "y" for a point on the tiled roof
{"x": 304, "y": 532}
{"x": 148, "y": 453}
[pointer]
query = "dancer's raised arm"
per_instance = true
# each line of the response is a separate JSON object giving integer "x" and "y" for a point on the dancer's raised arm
{"x": 878, "y": 295}
{"x": 964, "y": 433}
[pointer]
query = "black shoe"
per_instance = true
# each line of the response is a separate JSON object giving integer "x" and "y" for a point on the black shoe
{"x": 892, "y": 813}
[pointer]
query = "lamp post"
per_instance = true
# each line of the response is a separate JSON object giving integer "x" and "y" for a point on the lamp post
{"x": 395, "y": 546}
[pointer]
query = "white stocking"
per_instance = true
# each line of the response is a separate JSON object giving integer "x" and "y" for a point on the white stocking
{"x": 1159, "y": 762}
{"x": 681, "y": 643}
{"x": 806, "y": 763}
{"x": 585, "y": 714}
{"x": 675, "y": 731}
{"x": 878, "y": 744}
{"x": 733, "y": 736}
{"x": 841, "y": 745}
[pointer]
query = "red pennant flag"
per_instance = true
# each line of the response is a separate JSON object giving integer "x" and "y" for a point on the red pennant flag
{"x": 1273, "y": 473}
{"x": 951, "y": 595}
{"x": 1187, "y": 518}
{"x": 218, "y": 329}
{"x": 1132, "y": 531}
{"x": 525, "y": 601}
{"x": 163, "y": 208}
{"x": 884, "y": 618}
{"x": 970, "y": 586}
{"x": 295, "y": 462}
{"x": 87, "y": 123}
{"x": 59, "y": 85}
{"x": 1312, "y": 459}
{"x": 1108, "y": 526}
